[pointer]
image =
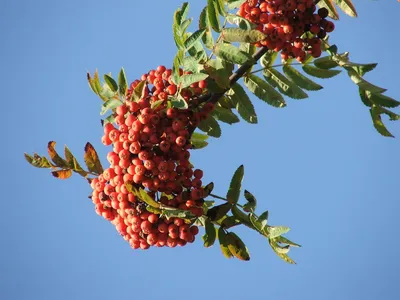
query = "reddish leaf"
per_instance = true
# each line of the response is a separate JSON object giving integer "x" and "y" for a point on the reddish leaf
{"x": 62, "y": 174}
{"x": 92, "y": 159}
{"x": 54, "y": 155}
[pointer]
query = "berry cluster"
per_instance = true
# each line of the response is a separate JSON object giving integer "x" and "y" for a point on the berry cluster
{"x": 291, "y": 26}
{"x": 150, "y": 151}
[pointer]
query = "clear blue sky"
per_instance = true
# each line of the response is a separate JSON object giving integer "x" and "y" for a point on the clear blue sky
{"x": 317, "y": 165}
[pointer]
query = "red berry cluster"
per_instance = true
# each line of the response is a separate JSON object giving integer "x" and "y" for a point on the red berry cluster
{"x": 150, "y": 151}
{"x": 285, "y": 23}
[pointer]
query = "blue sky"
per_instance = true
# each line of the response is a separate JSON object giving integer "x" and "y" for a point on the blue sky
{"x": 317, "y": 165}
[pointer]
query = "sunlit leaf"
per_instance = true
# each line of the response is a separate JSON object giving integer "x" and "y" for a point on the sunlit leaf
{"x": 193, "y": 38}
{"x": 242, "y": 36}
{"x": 251, "y": 204}
{"x": 58, "y": 161}
{"x": 284, "y": 85}
{"x": 222, "y": 238}
{"x": 320, "y": 73}
{"x": 301, "y": 80}
{"x": 122, "y": 82}
{"x": 275, "y": 231}
{"x": 264, "y": 91}
{"x": 243, "y": 104}
{"x": 212, "y": 12}
{"x": 62, "y": 174}
{"x": 232, "y": 54}
{"x": 237, "y": 247}
{"x": 112, "y": 84}
{"x": 92, "y": 159}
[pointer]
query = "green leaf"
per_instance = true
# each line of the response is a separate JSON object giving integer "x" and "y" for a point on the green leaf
{"x": 362, "y": 69}
{"x": 138, "y": 91}
{"x": 94, "y": 82}
{"x": 179, "y": 103}
{"x": 362, "y": 83}
{"x": 111, "y": 83}
{"x": 175, "y": 68}
{"x": 208, "y": 188}
{"x": 177, "y": 213}
{"x": 264, "y": 91}
{"x": 222, "y": 238}
{"x": 241, "y": 216}
{"x": 183, "y": 12}
{"x": 251, "y": 204}
{"x": 38, "y": 161}
{"x": 232, "y": 54}
{"x": 184, "y": 26}
{"x": 226, "y": 102}
{"x": 268, "y": 59}
{"x": 235, "y": 185}
{"x": 190, "y": 64}
{"x": 198, "y": 52}
{"x": 153, "y": 210}
{"x": 282, "y": 249}
{"x": 213, "y": 17}
{"x": 257, "y": 224}
{"x": 218, "y": 73}
{"x": 188, "y": 79}
{"x": 284, "y": 240}
{"x": 377, "y": 121}
{"x": 145, "y": 197}
{"x": 192, "y": 39}
{"x": 230, "y": 222}
{"x": 210, "y": 234}
{"x": 243, "y": 104}
{"x": 176, "y": 30}
{"x": 220, "y": 5}
{"x": 58, "y": 161}
{"x": 232, "y": 4}
{"x": 156, "y": 104}
{"x": 263, "y": 219}
{"x": 284, "y": 85}
{"x": 110, "y": 104}
{"x": 73, "y": 163}
{"x": 347, "y": 7}
{"x": 325, "y": 63}
{"x": 204, "y": 23}
{"x": 92, "y": 159}
{"x": 237, "y": 247}
{"x": 283, "y": 256}
{"x": 364, "y": 97}
{"x": 219, "y": 211}
{"x": 243, "y": 36}
{"x": 320, "y": 73}
{"x": 379, "y": 99}
{"x": 225, "y": 115}
{"x": 122, "y": 82}
{"x": 301, "y": 80}
{"x": 211, "y": 126}
{"x": 198, "y": 140}
{"x": 275, "y": 231}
